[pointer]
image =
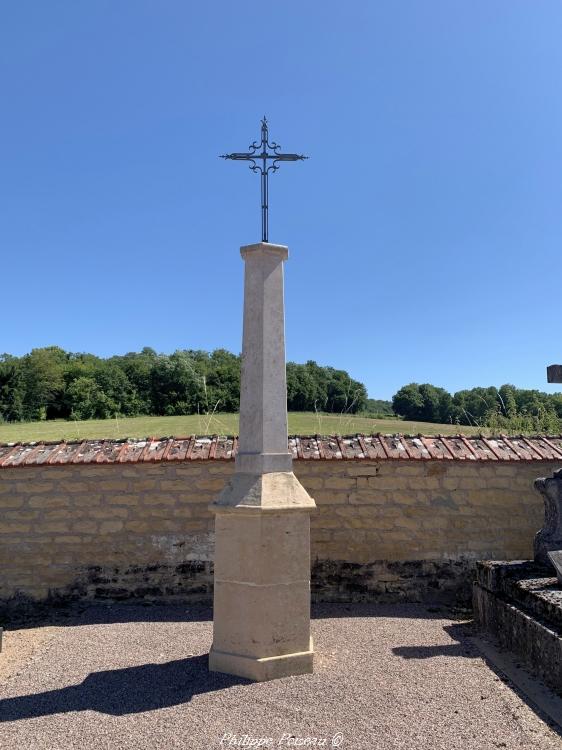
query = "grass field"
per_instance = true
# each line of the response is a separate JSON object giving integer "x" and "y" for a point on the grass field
{"x": 300, "y": 423}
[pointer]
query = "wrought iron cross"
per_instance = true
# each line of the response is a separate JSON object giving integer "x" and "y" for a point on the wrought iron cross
{"x": 259, "y": 152}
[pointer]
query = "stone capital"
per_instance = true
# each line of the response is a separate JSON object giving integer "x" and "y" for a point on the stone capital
{"x": 274, "y": 491}
{"x": 264, "y": 249}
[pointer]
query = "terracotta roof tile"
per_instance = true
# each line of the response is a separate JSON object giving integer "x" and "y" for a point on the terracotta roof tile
{"x": 374, "y": 448}
{"x": 303, "y": 448}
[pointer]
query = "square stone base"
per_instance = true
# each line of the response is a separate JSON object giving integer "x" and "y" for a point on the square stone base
{"x": 266, "y": 668}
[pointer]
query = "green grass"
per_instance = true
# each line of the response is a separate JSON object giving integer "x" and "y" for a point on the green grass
{"x": 304, "y": 423}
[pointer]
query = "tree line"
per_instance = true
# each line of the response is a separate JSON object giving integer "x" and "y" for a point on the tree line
{"x": 50, "y": 383}
{"x": 506, "y": 407}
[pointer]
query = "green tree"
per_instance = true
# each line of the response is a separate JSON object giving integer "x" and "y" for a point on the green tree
{"x": 476, "y": 406}
{"x": 138, "y": 366}
{"x": 436, "y": 403}
{"x": 222, "y": 380}
{"x": 508, "y": 401}
{"x": 176, "y": 386}
{"x": 43, "y": 377}
{"x": 301, "y": 388}
{"x": 311, "y": 387}
{"x": 88, "y": 401}
{"x": 12, "y": 388}
{"x": 119, "y": 392}
{"x": 408, "y": 402}
{"x": 345, "y": 395}
{"x": 423, "y": 403}
{"x": 530, "y": 401}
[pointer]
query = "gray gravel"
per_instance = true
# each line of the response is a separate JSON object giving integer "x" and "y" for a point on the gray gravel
{"x": 386, "y": 677}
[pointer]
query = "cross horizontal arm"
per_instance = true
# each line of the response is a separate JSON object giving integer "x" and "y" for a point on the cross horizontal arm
{"x": 273, "y": 157}
{"x": 287, "y": 157}
{"x": 240, "y": 157}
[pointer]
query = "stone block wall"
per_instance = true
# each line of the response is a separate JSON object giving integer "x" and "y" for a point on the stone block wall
{"x": 384, "y": 530}
{"x": 413, "y": 530}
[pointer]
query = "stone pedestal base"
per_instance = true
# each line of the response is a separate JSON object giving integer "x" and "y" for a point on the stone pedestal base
{"x": 265, "y": 668}
{"x": 261, "y": 619}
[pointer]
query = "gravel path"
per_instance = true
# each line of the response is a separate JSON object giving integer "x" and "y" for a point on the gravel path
{"x": 387, "y": 677}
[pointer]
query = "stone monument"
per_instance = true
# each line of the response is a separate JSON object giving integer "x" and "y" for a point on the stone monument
{"x": 517, "y": 602}
{"x": 549, "y": 538}
{"x": 261, "y": 622}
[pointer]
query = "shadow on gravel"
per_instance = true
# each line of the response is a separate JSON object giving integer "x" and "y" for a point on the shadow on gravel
{"x": 412, "y": 610}
{"x": 97, "y": 613}
{"x": 466, "y": 649}
{"x": 458, "y": 632}
{"x": 130, "y": 690}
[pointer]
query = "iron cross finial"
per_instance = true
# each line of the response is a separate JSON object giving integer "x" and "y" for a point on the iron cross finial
{"x": 259, "y": 152}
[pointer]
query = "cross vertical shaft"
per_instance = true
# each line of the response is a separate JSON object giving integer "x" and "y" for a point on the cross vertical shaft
{"x": 264, "y": 207}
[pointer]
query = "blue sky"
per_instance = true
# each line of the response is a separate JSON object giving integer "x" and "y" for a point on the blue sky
{"x": 424, "y": 232}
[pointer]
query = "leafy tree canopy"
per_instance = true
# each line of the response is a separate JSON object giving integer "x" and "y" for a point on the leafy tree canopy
{"x": 50, "y": 383}
{"x": 507, "y": 408}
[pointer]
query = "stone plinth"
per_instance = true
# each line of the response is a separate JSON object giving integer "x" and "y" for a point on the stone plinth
{"x": 261, "y": 624}
{"x": 262, "y": 577}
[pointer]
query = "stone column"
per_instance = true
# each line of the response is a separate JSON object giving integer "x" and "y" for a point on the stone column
{"x": 261, "y": 626}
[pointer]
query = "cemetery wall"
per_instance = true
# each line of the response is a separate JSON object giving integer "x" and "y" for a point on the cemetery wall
{"x": 384, "y": 530}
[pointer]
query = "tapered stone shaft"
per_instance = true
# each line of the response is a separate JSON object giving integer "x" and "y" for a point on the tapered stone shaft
{"x": 263, "y": 387}
{"x": 261, "y": 627}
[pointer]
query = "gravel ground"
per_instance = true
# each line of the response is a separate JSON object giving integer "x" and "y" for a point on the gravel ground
{"x": 133, "y": 677}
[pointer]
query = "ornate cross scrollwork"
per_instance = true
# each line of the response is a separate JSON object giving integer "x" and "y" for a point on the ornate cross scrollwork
{"x": 269, "y": 154}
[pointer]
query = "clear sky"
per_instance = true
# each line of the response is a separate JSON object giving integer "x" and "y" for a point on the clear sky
{"x": 424, "y": 232}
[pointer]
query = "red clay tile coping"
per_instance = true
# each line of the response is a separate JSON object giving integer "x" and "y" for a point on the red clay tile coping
{"x": 313, "y": 448}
